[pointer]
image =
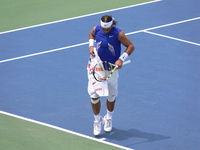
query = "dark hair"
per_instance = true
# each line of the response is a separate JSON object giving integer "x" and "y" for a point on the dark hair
{"x": 108, "y": 18}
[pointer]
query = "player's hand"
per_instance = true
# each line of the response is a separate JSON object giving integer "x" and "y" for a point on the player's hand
{"x": 92, "y": 50}
{"x": 119, "y": 63}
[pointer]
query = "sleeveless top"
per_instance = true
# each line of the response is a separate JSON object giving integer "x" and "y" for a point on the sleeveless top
{"x": 108, "y": 46}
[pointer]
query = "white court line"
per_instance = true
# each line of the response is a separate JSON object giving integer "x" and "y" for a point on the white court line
{"x": 44, "y": 52}
{"x": 169, "y": 37}
{"x": 67, "y": 131}
{"x": 165, "y": 25}
{"x": 76, "y": 45}
{"x": 79, "y": 17}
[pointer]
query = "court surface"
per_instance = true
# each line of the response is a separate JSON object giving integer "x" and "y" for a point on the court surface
{"x": 44, "y": 103}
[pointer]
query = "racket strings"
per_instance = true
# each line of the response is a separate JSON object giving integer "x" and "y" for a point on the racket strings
{"x": 99, "y": 72}
{"x": 103, "y": 70}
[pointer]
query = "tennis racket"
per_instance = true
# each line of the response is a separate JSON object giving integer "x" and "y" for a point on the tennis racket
{"x": 103, "y": 70}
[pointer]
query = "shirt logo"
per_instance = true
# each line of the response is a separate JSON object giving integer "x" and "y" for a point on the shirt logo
{"x": 111, "y": 48}
{"x": 110, "y": 36}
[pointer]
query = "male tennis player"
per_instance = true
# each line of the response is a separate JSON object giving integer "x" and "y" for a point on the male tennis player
{"x": 108, "y": 45}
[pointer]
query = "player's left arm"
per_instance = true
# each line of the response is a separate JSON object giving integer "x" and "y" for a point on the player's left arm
{"x": 129, "y": 47}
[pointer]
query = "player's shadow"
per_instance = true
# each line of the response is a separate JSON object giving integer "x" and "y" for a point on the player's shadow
{"x": 121, "y": 135}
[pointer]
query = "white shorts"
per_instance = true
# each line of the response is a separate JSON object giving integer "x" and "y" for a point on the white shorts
{"x": 112, "y": 87}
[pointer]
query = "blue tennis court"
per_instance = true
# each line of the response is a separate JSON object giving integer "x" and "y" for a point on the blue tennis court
{"x": 43, "y": 76}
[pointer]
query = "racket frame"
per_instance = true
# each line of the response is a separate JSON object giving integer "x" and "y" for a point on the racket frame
{"x": 111, "y": 71}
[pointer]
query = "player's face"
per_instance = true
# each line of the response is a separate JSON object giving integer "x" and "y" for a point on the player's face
{"x": 106, "y": 30}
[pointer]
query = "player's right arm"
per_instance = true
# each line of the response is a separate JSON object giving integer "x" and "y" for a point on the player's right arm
{"x": 91, "y": 41}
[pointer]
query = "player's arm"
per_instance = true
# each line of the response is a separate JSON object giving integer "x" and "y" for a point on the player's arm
{"x": 126, "y": 42}
{"x": 129, "y": 48}
{"x": 91, "y": 41}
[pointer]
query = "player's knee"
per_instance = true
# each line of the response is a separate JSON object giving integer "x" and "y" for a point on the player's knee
{"x": 94, "y": 100}
{"x": 111, "y": 99}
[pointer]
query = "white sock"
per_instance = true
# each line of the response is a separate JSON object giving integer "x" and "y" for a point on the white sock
{"x": 109, "y": 114}
{"x": 97, "y": 117}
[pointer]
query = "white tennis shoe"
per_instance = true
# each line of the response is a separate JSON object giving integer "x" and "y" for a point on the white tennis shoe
{"x": 97, "y": 126}
{"x": 108, "y": 124}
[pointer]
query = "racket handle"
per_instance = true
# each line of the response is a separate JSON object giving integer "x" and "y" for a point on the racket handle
{"x": 126, "y": 62}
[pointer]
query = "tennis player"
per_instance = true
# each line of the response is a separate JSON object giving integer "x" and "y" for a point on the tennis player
{"x": 107, "y": 38}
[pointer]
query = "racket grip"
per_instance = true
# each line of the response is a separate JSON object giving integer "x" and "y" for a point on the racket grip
{"x": 126, "y": 62}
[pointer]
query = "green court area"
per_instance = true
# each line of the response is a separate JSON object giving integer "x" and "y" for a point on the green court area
{"x": 18, "y": 134}
{"x": 16, "y": 14}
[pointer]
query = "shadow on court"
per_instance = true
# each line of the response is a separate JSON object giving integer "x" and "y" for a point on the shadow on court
{"x": 121, "y": 135}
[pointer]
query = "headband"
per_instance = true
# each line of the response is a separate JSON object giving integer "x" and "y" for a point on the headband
{"x": 106, "y": 24}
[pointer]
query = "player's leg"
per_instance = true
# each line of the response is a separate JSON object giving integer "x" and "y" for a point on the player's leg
{"x": 96, "y": 106}
{"x": 110, "y": 102}
{"x": 110, "y": 105}
{"x": 98, "y": 120}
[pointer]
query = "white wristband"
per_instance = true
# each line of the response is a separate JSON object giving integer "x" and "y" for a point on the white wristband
{"x": 91, "y": 42}
{"x": 124, "y": 56}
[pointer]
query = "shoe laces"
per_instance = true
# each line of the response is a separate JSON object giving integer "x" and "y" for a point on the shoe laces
{"x": 108, "y": 122}
{"x": 97, "y": 125}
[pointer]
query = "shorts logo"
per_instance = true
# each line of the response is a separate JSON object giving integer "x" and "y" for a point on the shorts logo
{"x": 99, "y": 89}
{"x": 96, "y": 69}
